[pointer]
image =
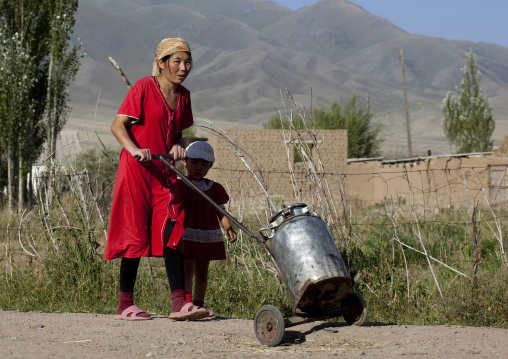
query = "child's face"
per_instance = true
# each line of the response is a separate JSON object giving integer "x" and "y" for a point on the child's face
{"x": 197, "y": 168}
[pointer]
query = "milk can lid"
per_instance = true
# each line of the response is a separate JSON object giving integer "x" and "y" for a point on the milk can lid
{"x": 291, "y": 210}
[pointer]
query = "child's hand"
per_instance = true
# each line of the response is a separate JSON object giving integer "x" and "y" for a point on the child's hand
{"x": 231, "y": 234}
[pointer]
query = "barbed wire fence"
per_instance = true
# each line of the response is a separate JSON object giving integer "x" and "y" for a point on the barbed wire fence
{"x": 71, "y": 201}
{"x": 79, "y": 209}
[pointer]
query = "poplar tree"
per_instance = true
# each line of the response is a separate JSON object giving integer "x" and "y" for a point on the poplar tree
{"x": 63, "y": 67}
{"x": 36, "y": 66}
{"x": 468, "y": 121}
{"x": 23, "y": 25}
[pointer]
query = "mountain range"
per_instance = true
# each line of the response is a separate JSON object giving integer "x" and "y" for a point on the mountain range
{"x": 248, "y": 52}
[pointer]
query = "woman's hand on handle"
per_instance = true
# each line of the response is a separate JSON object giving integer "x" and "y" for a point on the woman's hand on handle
{"x": 141, "y": 154}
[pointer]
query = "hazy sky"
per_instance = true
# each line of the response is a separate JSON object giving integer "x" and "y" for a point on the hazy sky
{"x": 475, "y": 20}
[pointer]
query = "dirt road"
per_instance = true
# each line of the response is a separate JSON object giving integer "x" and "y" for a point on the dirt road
{"x": 43, "y": 335}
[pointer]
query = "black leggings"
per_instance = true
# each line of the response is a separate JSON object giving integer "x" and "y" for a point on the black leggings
{"x": 172, "y": 259}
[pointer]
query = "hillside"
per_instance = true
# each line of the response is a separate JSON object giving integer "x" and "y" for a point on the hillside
{"x": 247, "y": 51}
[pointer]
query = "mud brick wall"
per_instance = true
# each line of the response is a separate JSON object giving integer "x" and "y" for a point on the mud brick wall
{"x": 272, "y": 154}
{"x": 432, "y": 182}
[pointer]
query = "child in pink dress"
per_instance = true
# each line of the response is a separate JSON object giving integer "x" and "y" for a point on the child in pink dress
{"x": 203, "y": 239}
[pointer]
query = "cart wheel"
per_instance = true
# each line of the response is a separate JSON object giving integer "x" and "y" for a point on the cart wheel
{"x": 356, "y": 309}
{"x": 269, "y": 325}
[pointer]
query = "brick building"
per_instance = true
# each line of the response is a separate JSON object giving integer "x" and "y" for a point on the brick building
{"x": 276, "y": 161}
{"x": 433, "y": 182}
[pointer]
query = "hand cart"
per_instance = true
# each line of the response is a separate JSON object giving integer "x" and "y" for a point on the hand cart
{"x": 307, "y": 259}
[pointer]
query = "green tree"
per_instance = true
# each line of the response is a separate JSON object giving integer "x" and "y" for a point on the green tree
{"x": 364, "y": 138}
{"x": 275, "y": 122}
{"x": 22, "y": 27}
{"x": 468, "y": 121}
{"x": 63, "y": 67}
{"x": 34, "y": 71}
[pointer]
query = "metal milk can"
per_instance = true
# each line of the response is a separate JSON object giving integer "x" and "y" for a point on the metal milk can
{"x": 308, "y": 258}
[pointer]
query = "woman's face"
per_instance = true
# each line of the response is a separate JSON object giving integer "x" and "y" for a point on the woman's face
{"x": 197, "y": 168}
{"x": 177, "y": 67}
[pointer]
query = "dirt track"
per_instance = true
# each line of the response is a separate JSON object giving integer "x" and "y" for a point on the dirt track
{"x": 100, "y": 336}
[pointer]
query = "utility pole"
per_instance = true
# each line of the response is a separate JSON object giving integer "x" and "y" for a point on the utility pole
{"x": 405, "y": 103}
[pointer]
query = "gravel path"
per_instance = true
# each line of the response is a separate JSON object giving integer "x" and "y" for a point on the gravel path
{"x": 50, "y": 335}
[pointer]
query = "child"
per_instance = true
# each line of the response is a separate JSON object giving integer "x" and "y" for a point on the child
{"x": 203, "y": 240}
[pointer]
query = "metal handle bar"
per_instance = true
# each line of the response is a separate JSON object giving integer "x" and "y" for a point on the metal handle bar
{"x": 156, "y": 157}
{"x": 163, "y": 159}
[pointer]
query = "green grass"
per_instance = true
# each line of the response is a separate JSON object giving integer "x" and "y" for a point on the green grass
{"x": 412, "y": 296}
{"x": 79, "y": 280}
{"x": 72, "y": 275}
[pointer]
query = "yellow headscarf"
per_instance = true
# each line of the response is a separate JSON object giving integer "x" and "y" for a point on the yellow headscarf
{"x": 167, "y": 47}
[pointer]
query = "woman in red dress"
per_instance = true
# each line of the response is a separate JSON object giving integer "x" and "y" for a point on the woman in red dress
{"x": 147, "y": 213}
{"x": 202, "y": 237}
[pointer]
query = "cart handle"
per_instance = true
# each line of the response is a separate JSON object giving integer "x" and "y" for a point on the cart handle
{"x": 261, "y": 242}
{"x": 156, "y": 157}
{"x": 163, "y": 159}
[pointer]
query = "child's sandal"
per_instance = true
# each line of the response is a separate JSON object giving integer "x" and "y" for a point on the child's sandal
{"x": 189, "y": 312}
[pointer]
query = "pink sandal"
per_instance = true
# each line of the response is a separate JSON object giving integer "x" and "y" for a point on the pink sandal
{"x": 189, "y": 312}
{"x": 131, "y": 313}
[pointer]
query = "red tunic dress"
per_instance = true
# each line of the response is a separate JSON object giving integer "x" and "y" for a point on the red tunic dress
{"x": 146, "y": 196}
{"x": 203, "y": 239}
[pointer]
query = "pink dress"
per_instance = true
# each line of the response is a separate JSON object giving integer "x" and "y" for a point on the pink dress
{"x": 145, "y": 197}
{"x": 203, "y": 239}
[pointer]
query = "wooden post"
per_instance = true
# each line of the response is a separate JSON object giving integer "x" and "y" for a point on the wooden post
{"x": 405, "y": 103}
